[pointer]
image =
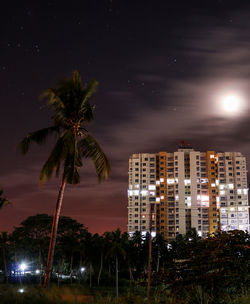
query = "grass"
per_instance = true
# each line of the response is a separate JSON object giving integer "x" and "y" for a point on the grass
{"x": 79, "y": 294}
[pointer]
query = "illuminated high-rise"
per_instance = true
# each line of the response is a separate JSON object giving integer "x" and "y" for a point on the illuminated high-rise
{"x": 187, "y": 189}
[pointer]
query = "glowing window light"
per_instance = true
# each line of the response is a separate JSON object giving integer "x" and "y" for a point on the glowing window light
{"x": 217, "y": 199}
{"x": 238, "y": 191}
{"x": 211, "y": 156}
{"x": 136, "y": 192}
{"x": 187, "y": 181}
{"x": 152, "y": 193}
{"x": 170, "y": 181}
{"x": 137, "y": 186}
{"x": 189, "y": 204}
{"x": 153, "y": 234}
{"x": 162, "y": 180}
{"x": 232, "y": 209}
{"x": 223, "y": 210}
{"x": 157, "y": 182}
{"x": 213, "y": 185}
{"x": 205, "y": 204}
{"x": 130, "y": 192}
{"x": 157, "y": 199}
{"x": 222, "y": 187}
{"x": 177, "y": 197}
{"x": 230, "y": 186}
{"x": 222, "y": 192}
{"x": 217, "y": 182}
{"x": 245, "y": 191}
{"x": 162, "y": 196}
{"x": 204, "y": 180}
{"x": 204, "y": 198}
{"x": 176, "y": 180}
{"x": 198, "y": 197}
{"x": 151, "y": 187}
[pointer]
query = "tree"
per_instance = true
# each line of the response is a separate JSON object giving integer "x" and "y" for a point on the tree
{"x": 72, "y": 111}
{"x": 118, "y": 242}
{"x": 3, "y": 243}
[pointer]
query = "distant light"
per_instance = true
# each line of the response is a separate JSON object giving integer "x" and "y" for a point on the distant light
{"x": 82, "y": 269}
{"x": 21, "y": 290}
{"x": 23, "y": 266}
{"x": 37, "y": 271}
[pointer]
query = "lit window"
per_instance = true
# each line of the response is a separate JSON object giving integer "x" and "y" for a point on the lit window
{"x": 151, "y": 187}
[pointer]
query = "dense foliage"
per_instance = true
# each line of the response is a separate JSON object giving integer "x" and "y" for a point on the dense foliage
{"x": 184, "y": 267}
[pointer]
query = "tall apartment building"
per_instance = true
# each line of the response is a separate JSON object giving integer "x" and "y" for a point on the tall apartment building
{"x": 187, "y": 189}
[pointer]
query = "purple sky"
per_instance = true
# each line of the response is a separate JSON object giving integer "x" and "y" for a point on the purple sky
{"x": 161, "y": 67}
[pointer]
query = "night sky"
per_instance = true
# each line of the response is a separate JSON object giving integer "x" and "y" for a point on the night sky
{"x": 162, "y": 67}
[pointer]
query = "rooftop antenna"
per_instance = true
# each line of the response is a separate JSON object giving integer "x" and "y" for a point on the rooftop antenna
{"x": 184, "y": 145}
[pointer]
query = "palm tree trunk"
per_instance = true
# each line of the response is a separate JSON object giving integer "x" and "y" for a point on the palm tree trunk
{"x": 90, "y": 275}
{"x": 131, "y": 277}
{"x": 79, "y": 272}
{"x": 100, "y": 271}
{"x": 40, "y": 265}
{"x": 109, "y": 271}
{"x": 71, "y": 266}
{"x": 116, "y": 276}
{"x": 4, "y": 258}
{"x": 158, "y": 262}
{"x": 54, "y": 234}
{"x": 149, "y": 254}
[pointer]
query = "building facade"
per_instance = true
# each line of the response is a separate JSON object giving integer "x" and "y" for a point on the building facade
{"x": 172, "y": 192}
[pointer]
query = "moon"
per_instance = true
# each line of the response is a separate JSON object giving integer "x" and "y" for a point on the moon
{"x": 231, "y": 104}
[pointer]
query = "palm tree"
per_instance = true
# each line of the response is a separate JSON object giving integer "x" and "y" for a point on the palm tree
{"x": 118, "y": 242}
{"x": 72, "y": 110}
{"x": 3, "y": 243}
{"x": 3, "y": 201}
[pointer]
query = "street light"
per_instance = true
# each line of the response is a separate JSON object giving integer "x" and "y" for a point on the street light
{"x": 22, "y": 267}
{"x": 21, "y": 290}
{"x": 82, "y": 269}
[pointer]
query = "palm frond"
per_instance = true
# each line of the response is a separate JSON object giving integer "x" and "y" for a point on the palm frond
{"x": 39, "y": 137}
{"x": 3, "y": 201}
{"x": 86, "y": 111}
{"x": 89, "y": 147}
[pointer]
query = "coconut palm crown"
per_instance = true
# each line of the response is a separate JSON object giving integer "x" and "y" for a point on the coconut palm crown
{"x": 71, "y": 112}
